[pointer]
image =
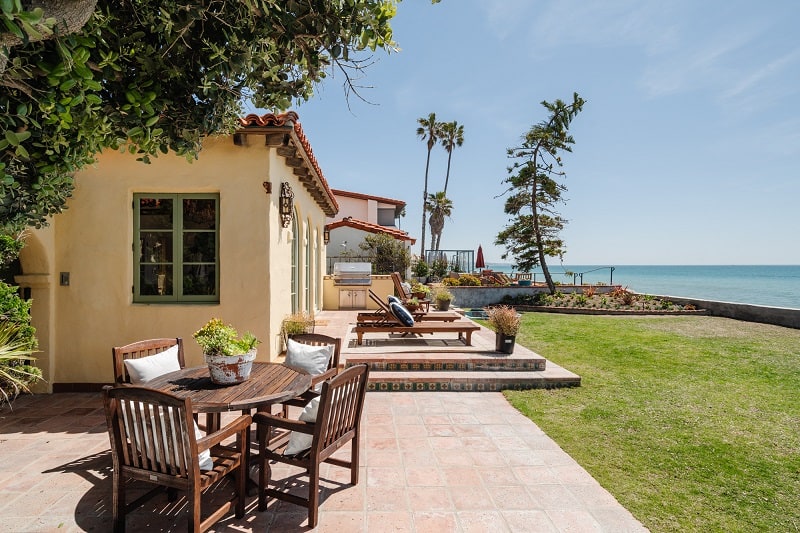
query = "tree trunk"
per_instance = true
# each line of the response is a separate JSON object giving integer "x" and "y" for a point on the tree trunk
{"x": 424, "y": 200}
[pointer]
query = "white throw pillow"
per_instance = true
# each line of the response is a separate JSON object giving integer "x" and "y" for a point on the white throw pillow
{"x": 311, "y": 359}
{"x": 299, "y": 442}
{"x": 144, "y": 369}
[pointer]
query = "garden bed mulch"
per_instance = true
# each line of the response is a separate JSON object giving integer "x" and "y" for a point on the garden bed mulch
{"x": 594, "y": 311}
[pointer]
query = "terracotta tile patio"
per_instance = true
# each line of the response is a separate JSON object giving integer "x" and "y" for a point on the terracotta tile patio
{"x": 431, "y": 461}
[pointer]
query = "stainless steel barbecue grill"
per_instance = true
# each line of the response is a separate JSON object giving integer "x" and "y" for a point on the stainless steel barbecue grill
{"x": 352, "y": 274}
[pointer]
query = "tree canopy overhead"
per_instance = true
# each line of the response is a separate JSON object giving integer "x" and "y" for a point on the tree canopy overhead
{"x": 154, "y": 76}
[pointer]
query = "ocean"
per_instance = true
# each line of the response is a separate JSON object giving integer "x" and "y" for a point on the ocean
{"x": 770, "y": 285}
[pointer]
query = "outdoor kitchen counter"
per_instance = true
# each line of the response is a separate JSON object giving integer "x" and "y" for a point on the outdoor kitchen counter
{"x": 381, "y": 285}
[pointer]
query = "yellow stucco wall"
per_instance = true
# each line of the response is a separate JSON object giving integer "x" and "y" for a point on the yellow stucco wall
{"x": 93, "y": 241}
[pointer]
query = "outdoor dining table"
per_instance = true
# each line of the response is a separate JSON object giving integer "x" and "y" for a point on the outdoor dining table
{"x": 269, "y": 383}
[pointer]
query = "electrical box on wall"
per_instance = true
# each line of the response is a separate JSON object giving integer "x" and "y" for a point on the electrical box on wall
{"x": 63, "y": 279}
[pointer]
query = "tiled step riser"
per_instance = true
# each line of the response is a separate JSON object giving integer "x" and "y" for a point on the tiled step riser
{"x": 407, "y": 385}
{"x": 510, "y": 366}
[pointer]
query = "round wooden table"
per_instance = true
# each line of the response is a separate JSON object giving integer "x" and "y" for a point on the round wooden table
{"x": 269, "y": 383}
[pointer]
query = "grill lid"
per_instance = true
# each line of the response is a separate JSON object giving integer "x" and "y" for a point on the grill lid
{"x": 352, "y": 273}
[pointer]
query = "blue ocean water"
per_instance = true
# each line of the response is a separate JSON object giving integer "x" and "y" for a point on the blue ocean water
{"x": 770, "y": 285}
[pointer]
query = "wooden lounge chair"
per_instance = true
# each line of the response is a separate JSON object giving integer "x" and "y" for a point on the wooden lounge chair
{"x": 405, "y": 294}
{"x": 464, "y": 328}
{"x": 384, "y": 314}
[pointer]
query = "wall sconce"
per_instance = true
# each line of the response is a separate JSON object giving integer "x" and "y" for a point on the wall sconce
{"x": 326, "y": 235}
{"x": 286, "y": 200}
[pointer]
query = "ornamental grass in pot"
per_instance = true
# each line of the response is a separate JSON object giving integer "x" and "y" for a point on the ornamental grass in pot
{"x": 443, "y": 298}
{"x": 505, "y": 321}
{"x": 229, "y": 356}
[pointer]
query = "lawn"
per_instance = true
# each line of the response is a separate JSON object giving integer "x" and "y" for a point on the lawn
{"x": 692, "y": 422}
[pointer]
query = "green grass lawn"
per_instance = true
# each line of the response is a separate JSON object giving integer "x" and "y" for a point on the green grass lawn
{"x": 693, "y": 423}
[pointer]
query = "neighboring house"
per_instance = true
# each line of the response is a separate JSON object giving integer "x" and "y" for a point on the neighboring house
{"x": 156, "y": 250}
{"x": 360, "y": 215}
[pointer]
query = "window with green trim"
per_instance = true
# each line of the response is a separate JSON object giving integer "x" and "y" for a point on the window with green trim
{"x": 176, "y": 248}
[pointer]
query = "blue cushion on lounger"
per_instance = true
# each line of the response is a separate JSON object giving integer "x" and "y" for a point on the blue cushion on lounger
{"x": 393, "y": 298}
{"x": 402, "y": 314}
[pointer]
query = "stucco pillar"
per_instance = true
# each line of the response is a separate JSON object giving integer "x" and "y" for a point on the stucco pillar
{"x": 40, "y": 286}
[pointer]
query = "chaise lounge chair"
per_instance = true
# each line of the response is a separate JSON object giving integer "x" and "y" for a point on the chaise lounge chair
{"x": 384, "y": 315}
{"x": 405, "y": 292}
{"x": 464, "y": 328}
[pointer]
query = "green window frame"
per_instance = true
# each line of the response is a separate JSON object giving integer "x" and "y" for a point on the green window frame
{"x": 176, "y": 248}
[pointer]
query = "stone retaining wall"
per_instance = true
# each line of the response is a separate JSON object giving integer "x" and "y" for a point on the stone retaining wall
{"x": 468, "y": 297}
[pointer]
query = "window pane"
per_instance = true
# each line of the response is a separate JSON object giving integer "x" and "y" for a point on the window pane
{"x": 199, "y": 247}
{"x": 155, "y": 213}
{"x": 156, "y": 247}
{"x": 199, "y": 214}
{"x": 155, "y": 280}
{"x": 199, "y": 280}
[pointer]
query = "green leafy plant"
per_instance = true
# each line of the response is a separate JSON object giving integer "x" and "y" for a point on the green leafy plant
{"x": 439, "y": 267}
{"x": 420, "y": 269}
{"x": 468, "y": 280}
{"x": 451, "y": 282}
{"x": 218, "y": 338}
{"x": 504, "y": 319}
{"x": 441, "y": 294}
{"x": 296, "y": 324}
{"x": 16, "y": 372}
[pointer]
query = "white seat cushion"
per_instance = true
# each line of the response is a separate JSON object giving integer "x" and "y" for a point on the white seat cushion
{"x": 311, "y": 359}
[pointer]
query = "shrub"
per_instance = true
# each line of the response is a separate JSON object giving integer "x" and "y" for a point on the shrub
{"x": 590, "y": 291}
{"x": 451, "y": 282}
{"x": 16, "y": 374}
{"x": 218, "y": 338}
{"x": 420, "y": 269}
{"x": 441, "y": 293}
{"x": 468, "y": 280}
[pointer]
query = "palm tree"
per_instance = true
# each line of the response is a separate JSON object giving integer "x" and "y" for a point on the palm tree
{"x": 440, "y": 206}
{"x": 428, "y": 130}
{"x": 452, "y": 135}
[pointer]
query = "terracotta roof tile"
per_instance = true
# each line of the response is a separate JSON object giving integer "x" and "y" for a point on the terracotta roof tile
{"x": 371, "y": 228}
{"x": 282, "y": 120}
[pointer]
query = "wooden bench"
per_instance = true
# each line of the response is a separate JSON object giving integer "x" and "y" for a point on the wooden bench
{"x": 464, "y": 328}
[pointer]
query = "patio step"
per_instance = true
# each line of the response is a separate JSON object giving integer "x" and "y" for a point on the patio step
{"x": 478, "y": 372}
{"x": 468, "y": 381}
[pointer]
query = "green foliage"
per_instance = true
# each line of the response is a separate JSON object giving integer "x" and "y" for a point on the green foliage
{"x": 386, "y": 253}
{"x": 439, "y": 267}
{"x": 218, "y": 338}
{"x": 440, "y": 293}
{"x": 420, "y": 269}
{"x": 9, "y": 249}
{"x": 16, "y": 372}
{"x": 468, "y": 280}
{"x": 452, "y": 282}
{"x": 534, "y": 191}
{"x": 16, "y": 311}
{"x": 152, "y": 76}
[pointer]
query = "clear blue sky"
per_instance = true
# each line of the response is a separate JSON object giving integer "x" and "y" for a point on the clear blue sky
{"x": 687, "y": 151}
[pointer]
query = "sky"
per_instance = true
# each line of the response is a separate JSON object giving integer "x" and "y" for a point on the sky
{"x": 687, "y": 150}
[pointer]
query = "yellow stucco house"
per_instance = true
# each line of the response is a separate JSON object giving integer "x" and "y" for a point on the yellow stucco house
{"x": 156, "y": 250}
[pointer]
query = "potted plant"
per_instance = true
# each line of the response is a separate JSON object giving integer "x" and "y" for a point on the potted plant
{"x": 443, "y": 297}
{"x": 412, "y": 304}
{"x": 420, "y": 291}
{"x": 229, "y": 356}
{"x": 296, "y": 324}
{"x": 421, "y": 271}
{"x": 505, "y": 321}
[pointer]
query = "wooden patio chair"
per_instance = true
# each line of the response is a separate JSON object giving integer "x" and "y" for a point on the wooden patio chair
{"x": 406, "y": 294}
{"x": 140, "y": 349}
{"x": 336, "y": 422}
{"x": 315, "y": 339}
{"x": 153, "y": 440}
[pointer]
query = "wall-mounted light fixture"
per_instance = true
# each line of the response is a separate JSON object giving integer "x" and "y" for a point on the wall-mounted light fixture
{"x": 267, "y": 187}
{"x": 326, "y": 235}
{"x": 286, "y": 199}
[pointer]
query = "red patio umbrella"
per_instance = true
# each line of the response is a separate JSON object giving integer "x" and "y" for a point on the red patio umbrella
{"x": 479, "y": 261}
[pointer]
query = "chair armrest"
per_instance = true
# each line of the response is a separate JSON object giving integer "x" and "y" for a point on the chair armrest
{"x": 283, "y": 423}
{"x": 240, "y": 424}
{"x": 319, "y": 378}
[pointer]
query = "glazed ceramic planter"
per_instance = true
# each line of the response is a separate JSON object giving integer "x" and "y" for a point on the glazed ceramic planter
{"x": 230, "y": 369}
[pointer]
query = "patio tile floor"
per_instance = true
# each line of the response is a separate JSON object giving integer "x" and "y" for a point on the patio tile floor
{"x": 431, "y": 461}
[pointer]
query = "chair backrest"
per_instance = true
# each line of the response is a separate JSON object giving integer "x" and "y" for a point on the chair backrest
{"x": 141, "y": 349}
{"x": 340, "y": 406}
{"x": 151, "y": 433}
{"x": 398, "y": 286}
{"x": 315, "y": 339}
